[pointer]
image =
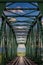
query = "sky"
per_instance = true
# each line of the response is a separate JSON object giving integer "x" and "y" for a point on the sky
{"x": 21, "y": 48}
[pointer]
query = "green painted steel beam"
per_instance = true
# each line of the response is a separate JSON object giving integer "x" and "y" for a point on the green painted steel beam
{"x": 21, "y": 16}
{"x": 40, "y": 37}
{"x": 28, "y": 48}
{"x": 41, "y": 7}
{"x": 36, "y": 9}
{"x": 2, "y": 6}
{"x": 2, "y": 27}
{"x": 5, "y": 43}
{"x": 21, "y": 0}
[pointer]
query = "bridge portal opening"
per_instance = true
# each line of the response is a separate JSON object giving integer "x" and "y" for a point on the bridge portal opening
{"x": 21, "y": 50}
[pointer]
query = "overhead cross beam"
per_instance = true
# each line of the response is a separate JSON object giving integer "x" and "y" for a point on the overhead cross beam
{"x": 21, "y": 16}
{"x": 21, "y": 9}
{"x": 21, "y": 1}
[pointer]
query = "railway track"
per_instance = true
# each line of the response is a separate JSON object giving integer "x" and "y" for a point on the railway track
{"x": 29, "y": 61}
{"x": 13, "y": 62}
{"x": 21, "y": 61}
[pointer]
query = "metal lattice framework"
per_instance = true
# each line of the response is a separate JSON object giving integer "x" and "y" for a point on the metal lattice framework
{"x": 25, "y": 27}
{"x": 22, "y": 18}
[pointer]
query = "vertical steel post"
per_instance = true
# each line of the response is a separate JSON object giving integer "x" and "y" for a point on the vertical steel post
{"x": 40, "y": 37}
{"x": 38, "y": 40}
{"x": 5, "y": 42}
{"x": 28, "y": 46}
{"x": 32, "y": 41}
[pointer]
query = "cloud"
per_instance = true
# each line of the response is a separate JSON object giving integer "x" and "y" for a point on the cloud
{"x": 15, "y": 11}
{"x": 21, "y": 46}
{"x": 12, "y": 19}
{"x": 20, "y": 10}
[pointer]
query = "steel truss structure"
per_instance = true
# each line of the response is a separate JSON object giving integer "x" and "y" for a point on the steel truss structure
{"x": 21, "y": 24}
